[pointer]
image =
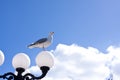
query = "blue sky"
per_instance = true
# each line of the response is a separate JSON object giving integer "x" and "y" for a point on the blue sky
{"x": 83, "y": 22}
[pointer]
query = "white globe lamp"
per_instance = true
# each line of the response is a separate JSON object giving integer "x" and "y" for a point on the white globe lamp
{"x": 45, "y": 58}
{"x": 2, "y": 58}
{"x": 21, "y": 60}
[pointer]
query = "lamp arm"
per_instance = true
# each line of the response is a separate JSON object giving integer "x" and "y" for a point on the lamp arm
{"x": 44, "y": 70}
{"x": 8, "y": 76}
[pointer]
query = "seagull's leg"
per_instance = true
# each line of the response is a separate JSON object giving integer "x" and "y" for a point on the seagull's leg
{"x": 44, "y": 48}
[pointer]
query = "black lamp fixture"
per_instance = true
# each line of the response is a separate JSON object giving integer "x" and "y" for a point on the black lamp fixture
{"x": 21, "y": 62}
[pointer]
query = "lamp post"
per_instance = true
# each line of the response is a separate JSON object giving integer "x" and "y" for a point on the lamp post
{"x": 21, "y": 62}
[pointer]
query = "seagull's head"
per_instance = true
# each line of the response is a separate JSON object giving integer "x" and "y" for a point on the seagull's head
{"x": 51, "y": 33}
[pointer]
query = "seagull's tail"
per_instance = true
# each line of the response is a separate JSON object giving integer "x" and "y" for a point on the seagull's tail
{"x": 31, "y": 46}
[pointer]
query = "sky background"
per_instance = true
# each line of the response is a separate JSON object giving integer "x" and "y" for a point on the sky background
{"x": 86, "y": 23}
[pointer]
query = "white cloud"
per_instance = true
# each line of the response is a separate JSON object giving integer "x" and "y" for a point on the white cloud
{"x": 73, "y": 62}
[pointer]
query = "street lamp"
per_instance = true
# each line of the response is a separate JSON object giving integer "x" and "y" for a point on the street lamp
{"x": 21, "y": 62}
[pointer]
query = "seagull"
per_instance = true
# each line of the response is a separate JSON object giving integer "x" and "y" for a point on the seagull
{"x": 43, "y": 42}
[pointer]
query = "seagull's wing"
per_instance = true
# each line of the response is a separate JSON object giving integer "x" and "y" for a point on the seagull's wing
{"x": 37, "y": 42}
{"x": 41, "y": 41}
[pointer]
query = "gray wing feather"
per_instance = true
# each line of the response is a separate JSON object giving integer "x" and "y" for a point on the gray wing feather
{"x": 41, "y": 41}
{"x": 38, "y": 42}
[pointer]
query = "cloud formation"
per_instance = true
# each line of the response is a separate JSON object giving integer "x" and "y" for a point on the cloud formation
{"x": 73, "y": 62}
